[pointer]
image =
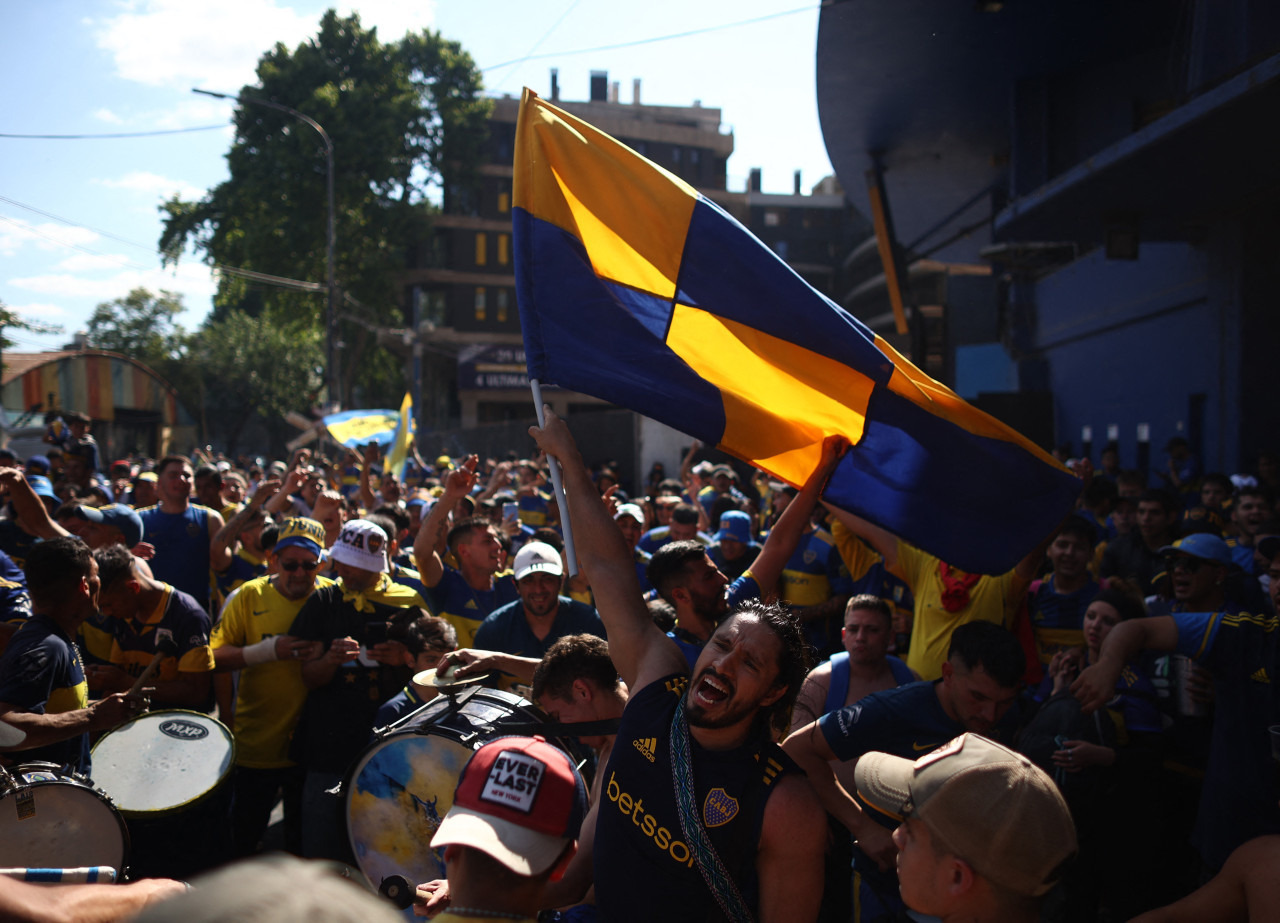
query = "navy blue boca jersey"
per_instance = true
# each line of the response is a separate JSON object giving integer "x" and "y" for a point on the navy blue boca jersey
{"x": 1238, "y": 801}
{"x": 644, "y": 868}
{"x": 907, "y": 721}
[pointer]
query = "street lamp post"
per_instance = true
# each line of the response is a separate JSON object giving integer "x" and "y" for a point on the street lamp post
{"x": 331, "y": 285}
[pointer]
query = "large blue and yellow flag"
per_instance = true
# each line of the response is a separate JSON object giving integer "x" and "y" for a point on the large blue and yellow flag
{"x": 636, "y": 289}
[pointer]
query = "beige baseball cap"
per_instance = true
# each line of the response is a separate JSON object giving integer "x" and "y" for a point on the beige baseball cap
{"x": 985, "y": 803}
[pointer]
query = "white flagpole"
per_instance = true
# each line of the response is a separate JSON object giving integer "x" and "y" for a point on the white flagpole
{"x": 557, "y": 485}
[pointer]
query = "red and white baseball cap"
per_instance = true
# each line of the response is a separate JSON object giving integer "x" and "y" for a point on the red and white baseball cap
{"x": 519, "y": 800}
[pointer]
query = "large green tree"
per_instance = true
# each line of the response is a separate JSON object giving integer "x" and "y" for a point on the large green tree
{"x": 407, "y": 121}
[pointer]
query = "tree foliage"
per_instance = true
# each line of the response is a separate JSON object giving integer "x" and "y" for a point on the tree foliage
{"x": 140, "y": 325}
{"x": 406, "y": 118}
{"x": 232, "y": 368}
{"x": 261, "y": 364}
{"x": 12, "y": 320}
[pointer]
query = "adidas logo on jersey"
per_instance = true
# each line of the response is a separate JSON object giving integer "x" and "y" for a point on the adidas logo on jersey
{"x": 1260, "y": 675}
{"x": 646, "y": 745}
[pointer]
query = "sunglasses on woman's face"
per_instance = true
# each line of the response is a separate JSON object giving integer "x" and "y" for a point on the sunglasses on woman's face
{"x": 291, "y": 566}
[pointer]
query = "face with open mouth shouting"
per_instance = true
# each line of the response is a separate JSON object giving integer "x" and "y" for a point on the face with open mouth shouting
{"x": 736, "y": 674}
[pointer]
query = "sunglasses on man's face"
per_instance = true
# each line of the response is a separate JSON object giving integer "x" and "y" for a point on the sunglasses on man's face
{"x": 1186, "y": 564}
{"x": 291, "y": 566}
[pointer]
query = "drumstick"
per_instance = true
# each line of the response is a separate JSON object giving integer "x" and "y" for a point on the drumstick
{"x": 164, "y": 648}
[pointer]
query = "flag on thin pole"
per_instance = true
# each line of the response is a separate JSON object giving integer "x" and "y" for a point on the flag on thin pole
{"x": 398, "y": 454}
{"x": 636, "y": 289}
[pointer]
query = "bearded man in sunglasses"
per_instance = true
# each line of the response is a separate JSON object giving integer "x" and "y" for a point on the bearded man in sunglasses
{"x": 253, "y": 637}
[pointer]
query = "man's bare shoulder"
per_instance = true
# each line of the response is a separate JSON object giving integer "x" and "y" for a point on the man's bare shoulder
{"x": 792, "y": 805}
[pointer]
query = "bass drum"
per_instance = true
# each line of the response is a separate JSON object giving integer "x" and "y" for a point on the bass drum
{"x": 53, "y": 818}
{"x": 401, "y": 787}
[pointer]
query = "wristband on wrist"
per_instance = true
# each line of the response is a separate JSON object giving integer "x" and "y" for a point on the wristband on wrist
{"x": 262, "y": 652}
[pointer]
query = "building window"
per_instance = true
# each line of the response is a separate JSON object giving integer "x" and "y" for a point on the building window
{"x": 431, "y": 306}
{"x": 640, "y": 148}
{"x": 675, "y": 155}
{"x": 694, "y": 156}
{"x": 482, "y": 248}
{"x": 502, "y": 305}
{"x": 772, "y": 218}
{"x": 480, "y": 304}
{"x": 504, "y": 202}
{"x": 504, "y": 247}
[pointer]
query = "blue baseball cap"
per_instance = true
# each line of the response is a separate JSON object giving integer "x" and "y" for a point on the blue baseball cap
{"x": 735, "y": 525}
{"x": 38, "y": 464}
{"x": 116, "y": 516}
{"x": 1203, "y": 545}
{"x": 42, "y": 486}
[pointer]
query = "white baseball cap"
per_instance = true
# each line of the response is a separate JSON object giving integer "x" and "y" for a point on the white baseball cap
{"x": 537, "y": 557}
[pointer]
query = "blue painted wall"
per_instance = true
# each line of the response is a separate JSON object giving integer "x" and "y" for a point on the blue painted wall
{"x": 984, "y": 368}
{"x": 1129, "y": 342}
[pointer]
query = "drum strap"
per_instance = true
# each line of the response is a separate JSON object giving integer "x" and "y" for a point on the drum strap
{"x": 599, "y": 728}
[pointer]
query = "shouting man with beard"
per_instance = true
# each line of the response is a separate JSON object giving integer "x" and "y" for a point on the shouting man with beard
{"x": 698, "y": 805}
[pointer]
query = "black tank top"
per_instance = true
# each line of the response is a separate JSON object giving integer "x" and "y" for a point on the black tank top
{"x": 644, "y": 869}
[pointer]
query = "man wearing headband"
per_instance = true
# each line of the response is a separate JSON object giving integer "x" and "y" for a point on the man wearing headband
{"x": 983, "y": 833}
{"x": 253, "y": 637}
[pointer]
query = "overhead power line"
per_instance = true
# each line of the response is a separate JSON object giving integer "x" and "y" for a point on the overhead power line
{"x": 253, "y": 275}
{"x": 115, "y": 134}
{"x": 657, "y": 38}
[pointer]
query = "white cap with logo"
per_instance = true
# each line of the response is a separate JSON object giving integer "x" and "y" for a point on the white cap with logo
{"x": 537, "y": 557}
{"x": 361, "y": 544}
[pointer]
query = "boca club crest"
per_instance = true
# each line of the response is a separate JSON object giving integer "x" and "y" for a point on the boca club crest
{"x": 719, "y": 808}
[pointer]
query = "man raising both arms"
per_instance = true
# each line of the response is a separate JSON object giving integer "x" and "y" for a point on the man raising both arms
{"x": 700, "y": 807}
{"x": 465, "y": 596}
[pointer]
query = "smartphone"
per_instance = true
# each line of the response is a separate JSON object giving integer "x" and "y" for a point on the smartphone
{"x": 374, "y": 633}
{"x": 510, "y": 511}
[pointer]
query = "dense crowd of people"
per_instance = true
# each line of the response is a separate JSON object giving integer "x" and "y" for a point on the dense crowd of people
{"x": 814, "y": 718}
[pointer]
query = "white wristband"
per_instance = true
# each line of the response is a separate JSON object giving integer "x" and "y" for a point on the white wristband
{"x": 262, "y": 652}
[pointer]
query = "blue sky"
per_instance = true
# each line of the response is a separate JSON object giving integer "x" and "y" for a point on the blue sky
{"x": 79, "y": 220}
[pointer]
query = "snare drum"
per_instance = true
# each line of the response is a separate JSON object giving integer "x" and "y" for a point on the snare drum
{"x": 401, "y": 787}
{"x": 163, "y": 762}
{"x": 52, "y": 818}
{"x": 167, "y": 771}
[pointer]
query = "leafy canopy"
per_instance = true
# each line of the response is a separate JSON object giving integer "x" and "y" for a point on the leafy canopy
{"x": 406, "y": 119}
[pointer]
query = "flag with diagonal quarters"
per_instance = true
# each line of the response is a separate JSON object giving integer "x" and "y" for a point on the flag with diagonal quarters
{"x": 636, "y": 289}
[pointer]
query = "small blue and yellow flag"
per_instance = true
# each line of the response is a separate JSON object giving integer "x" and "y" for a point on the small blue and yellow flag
{"x": 398, "y": 454}
{"x": 636, "y": 289}
{"x": 355, "y": 428}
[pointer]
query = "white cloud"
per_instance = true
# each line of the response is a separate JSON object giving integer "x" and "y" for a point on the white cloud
{"x": 177, "y": 42}
{"x": 16, "y": 234}
{"x": 217, "y": 45}
{"x": 193, "y": 280}
{"x": 106, "y": 115}
{"x": 88, "y": 262}
{"x": 153, "y": 184}
{"x": 392, "y": 17}
{"x": 40, "y": 311}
